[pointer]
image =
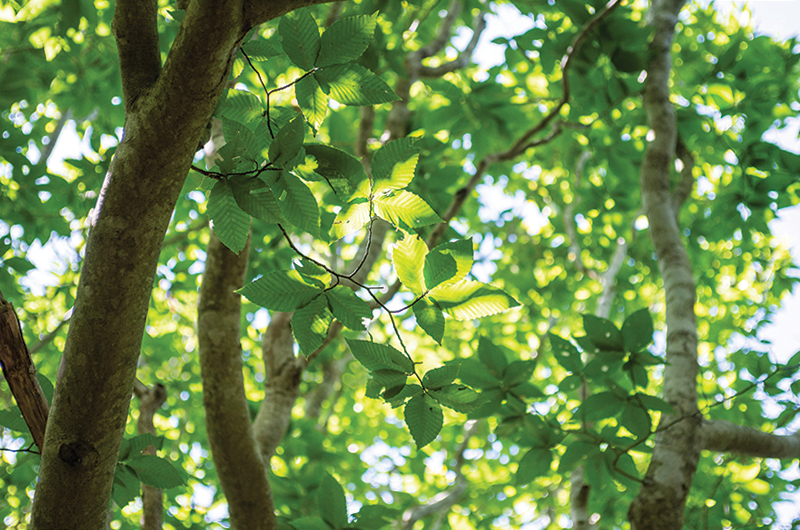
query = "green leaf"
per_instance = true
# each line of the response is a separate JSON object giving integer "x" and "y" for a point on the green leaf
{"x": 460, "y": 398}
{"x": 492, "y": 357}
{"x": 47, "y": 387}
{"x": 13, "y": 420}
{"x": 461, "y": 251}
{"x": 348, "y": 308}
{"x": 566, "y": 353}
{"x": 600, "y": 406}
{"x": 375, "y": 356}
{"x": 408, "y": 391}
{"x": 156, "y": 472}
{"x": 280, "y": 291}
{"x": 424, "y": 418}
{"x": 637, "y": 331}
{"x": 476, "y": 375}
{"x": 430, "y": 319}
{"x": 297, "y": 203}
{"x": 343, "y": 171}
{"x": 393, "y": 165}
{"x": 309, "y": 523}
{"x": 535, "y": 463}
{"x": 354, "y": 216}
{"x": 603, "y": 333}
{"x": 636, "y": 420}
{"x": 261, "y": 49}
{"x": 438, "y": 269}
{"x": 311, "y": 100}
{"x": 576, "y": 451}
{"x": 467, "y": 300}
{"x": 126, "y": 486}
{"x": 313, "y": 273}
{"x": 408, "y": 257}
{"x": 654, "y": 403}
{"x": 255, "y": 198}
{"x": 310, "y": 324}
{"x": 241, "y": 106}
{"x": 405, "y": 210}
{"x": 439, "y": 377}
{"x": 332, "y": 503}
{"x": 346, "y": 39}
{"x": 299, "y": 35}
{"x": 352, "y": 84}
{"x": 287, "y": 143}
{"x": 518, "y": 372}
{"x": 237, "y": 133}
{"x": 230, "y": 223}
{"x": 392, "y": 380}
{"x": 134, "y": 446}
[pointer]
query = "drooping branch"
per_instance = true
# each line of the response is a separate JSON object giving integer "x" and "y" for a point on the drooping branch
{"x": 724, "y": 436}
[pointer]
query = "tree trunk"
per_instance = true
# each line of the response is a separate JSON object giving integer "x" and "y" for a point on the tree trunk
{"x": 662, "y": 499}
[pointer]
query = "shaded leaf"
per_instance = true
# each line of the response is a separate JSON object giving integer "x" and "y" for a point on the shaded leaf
{"x": 230, "y": 223}
{"x": 155, "y": 471}
{"x": 346, "y": 39}
{"x": 424, "y": 418}
{"x": 375, "y": 356}
{"x": 348, "y": 308}
{"x": 310, "y": 324}
{"x": 637, "y": 331}
{"x": 311, "y": 100}
{"x": 430, "y": 318}
{"x": 332, "y": 503}
{"x": 352, "y": 84}
{"x": 280, "y": 291}
{"x": 460, "y": 398}
{"x": 300, "y": 38}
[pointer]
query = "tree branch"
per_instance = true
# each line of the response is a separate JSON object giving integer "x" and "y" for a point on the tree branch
{"x": 726, "y": 437}
{"x": 684, "y": 188}
{"x": 241, "y": 470}
{"x": 135, "y": 26}
{"x": 463, "y": 58}
{"x": 150, "y": 399}
{"x": 20, "y": 373}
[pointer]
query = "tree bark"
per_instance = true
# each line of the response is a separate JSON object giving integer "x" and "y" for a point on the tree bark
{"x": 167, "y": 110}
{"x": 241, "y": 470}
{"x": 661, "y": 501}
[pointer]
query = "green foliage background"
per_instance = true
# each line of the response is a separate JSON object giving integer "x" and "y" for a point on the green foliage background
{"x": 528, "y": 363}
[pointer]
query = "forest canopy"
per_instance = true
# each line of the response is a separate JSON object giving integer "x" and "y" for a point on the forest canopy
{"x": 314, "y": 268}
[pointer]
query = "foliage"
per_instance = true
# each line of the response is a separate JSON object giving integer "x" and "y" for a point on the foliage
{"x": 548, "y": 385}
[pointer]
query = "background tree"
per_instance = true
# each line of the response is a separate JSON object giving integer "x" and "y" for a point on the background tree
{"x": 352, "y": 162}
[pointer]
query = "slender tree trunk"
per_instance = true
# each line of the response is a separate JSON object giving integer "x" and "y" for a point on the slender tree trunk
{"x": 662, "y": 499}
